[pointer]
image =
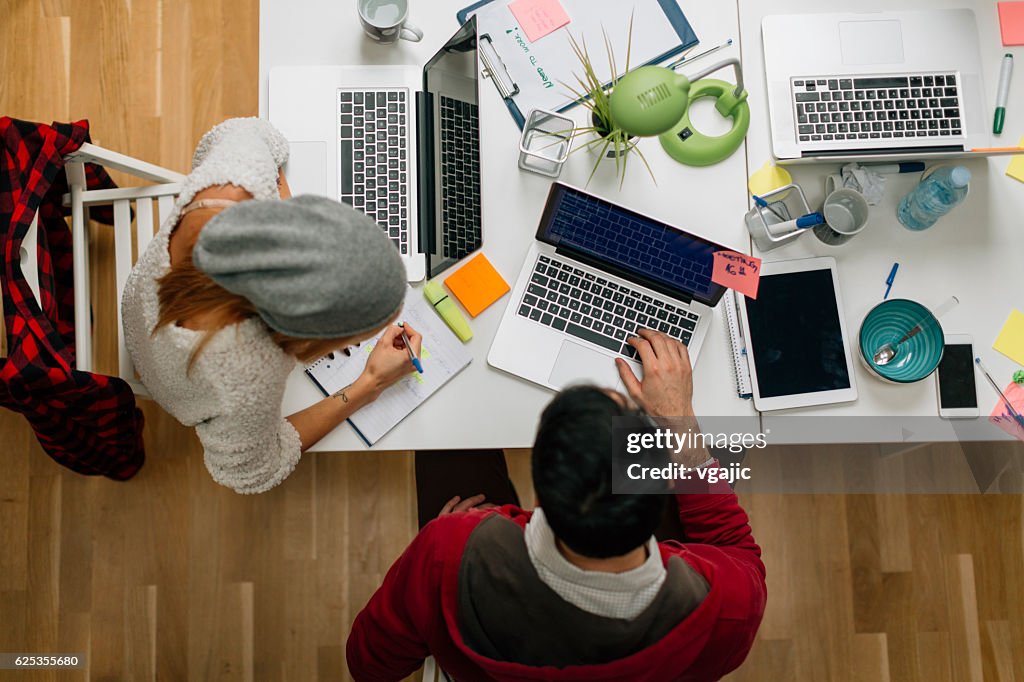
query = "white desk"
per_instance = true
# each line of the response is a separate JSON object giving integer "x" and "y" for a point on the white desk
{"x": 484, "y": 407}
{"x": 973, "y": 253}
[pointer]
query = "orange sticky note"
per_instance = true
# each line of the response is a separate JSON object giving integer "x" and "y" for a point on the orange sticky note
{"x": 477, "y": 285}
{"x": 538, "y": 18}
{"x": 1011, "y": 22}
{"x": 1001, "y": 416}
{"x": 737, "y": 271}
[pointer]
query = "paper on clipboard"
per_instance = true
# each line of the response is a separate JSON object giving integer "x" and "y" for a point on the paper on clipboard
{"x": 533, "y": 75}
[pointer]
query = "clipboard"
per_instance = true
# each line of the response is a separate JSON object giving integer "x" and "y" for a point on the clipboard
{"x": 530, "y": 75}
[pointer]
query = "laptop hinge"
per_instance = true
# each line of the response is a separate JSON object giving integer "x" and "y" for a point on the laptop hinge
{"x": 610, "y": 268}
{"x": 425, "y": 194}
{"x": 902, "y": 151}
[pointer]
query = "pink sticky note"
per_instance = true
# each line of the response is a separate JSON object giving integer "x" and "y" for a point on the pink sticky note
{"x": 1011, "y": 22}
{"x": 1001, "y": 415}
{"x": 538, "y": 18}
{"x": 737, "y": 271}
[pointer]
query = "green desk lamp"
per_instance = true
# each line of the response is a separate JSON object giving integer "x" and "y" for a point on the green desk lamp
{"x": 654, "y": 100}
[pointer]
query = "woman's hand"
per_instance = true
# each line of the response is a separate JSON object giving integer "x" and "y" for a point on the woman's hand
{"x": 389, "y": 361}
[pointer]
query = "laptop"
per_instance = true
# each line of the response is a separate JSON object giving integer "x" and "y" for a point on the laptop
{"x": 595, "y": 274}
{"x": 896, "y": 85}
{"x": 399, "y": 143}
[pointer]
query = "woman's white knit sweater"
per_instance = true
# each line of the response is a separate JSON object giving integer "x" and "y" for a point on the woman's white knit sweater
{"x": 233, "y": 392}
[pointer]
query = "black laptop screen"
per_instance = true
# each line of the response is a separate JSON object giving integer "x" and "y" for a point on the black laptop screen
{"x": 631, "y": 245}
{"x": 449, "y": 152}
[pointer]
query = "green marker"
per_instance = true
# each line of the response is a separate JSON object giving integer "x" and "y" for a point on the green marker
{"x": 1002, "y": 93}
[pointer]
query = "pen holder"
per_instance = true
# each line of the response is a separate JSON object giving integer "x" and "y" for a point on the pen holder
{"x": 789, "y": 202}
{"x": 546, "y": 141}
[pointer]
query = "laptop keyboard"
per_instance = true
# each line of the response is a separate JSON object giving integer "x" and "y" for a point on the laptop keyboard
{"x": 831, "y": 109}
{"x": 373, "y": 141}
{"x": 460, "y": 177}
{"x": 591, "y": 308}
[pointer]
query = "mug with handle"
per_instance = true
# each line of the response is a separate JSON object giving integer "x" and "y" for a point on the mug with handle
{"x": 385, "y": 21}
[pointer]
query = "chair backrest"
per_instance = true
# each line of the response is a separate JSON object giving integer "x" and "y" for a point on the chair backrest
{"x": 149, "y": 201}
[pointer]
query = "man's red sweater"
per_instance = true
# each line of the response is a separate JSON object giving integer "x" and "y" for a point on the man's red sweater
{"x": 414, "y": 614}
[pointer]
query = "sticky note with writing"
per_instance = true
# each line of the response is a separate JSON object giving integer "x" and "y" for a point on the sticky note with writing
{"x": 737, "y": 271}
{"x": 1001, "y": 416}
{"x": 538, "y": 18}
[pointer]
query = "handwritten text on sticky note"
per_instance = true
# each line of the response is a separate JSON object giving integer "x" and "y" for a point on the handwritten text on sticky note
{"x": 538, "y": 17}
{"x": 1001, "y": 416}
{"x": 737, "y": 271}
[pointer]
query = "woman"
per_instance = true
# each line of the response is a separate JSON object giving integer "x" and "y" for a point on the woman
{"x": 237, "y": 285}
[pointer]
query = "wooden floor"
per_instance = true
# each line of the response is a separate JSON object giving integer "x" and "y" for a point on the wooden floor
{"x": 171, "y": 576}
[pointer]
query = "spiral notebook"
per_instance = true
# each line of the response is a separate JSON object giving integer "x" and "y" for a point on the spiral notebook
{"x": 741, "y": 368}
{"x": 443, "y": 356}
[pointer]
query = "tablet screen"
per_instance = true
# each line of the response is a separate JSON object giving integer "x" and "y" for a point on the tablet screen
{"x": 795, "y": 335}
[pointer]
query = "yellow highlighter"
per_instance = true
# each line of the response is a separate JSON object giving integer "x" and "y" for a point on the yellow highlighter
{"x": 447, "y": 309}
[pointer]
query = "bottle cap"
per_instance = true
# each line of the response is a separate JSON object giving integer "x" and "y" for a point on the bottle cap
{"x": 960, "y": 176}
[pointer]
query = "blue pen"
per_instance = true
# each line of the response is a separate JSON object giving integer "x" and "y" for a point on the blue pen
{"x": 890, "y": 280}
{"x": 408, "y": 347}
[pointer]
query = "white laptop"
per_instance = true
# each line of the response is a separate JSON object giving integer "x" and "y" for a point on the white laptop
{"x": 595, "y": 274}
{"x": 896, "y": 85}
{"x": 399, "y": 143}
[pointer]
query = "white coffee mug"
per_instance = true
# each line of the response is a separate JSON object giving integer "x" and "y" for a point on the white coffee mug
{"x": 385, "y": 21}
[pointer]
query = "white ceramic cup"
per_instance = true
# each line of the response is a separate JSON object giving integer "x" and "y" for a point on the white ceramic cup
{"x": 385, "y": 21}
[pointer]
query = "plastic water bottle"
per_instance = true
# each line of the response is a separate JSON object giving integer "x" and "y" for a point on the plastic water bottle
{"x": 934, "y": 197}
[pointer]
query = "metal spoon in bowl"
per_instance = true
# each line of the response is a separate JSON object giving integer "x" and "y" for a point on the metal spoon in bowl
{"x": 887, "y": 353}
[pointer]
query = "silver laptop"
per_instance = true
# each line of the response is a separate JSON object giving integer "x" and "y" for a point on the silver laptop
{"x": 399, "y": 143}
{"x": 898, "y": 85}
{"x": 595, "y": 274}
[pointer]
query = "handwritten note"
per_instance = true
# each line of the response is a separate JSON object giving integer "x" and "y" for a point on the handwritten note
{"x": 737, "y": 271}
{"x": 1011, "y": 340}
{"x": 1016, "y": 168}
{"x": 1001, "y": 416}
{"x": 538, "y": 18}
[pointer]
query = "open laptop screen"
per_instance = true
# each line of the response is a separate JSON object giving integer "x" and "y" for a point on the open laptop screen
{"x": 633, "y": 246}
{"x": 449, "y": 136}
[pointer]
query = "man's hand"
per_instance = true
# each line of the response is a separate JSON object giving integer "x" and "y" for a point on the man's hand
{"x": 457, "y": 504}
{"x": 667, "y": 388}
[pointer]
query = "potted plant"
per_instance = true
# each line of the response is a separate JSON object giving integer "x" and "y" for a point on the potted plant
{"x": 607, "y": 140}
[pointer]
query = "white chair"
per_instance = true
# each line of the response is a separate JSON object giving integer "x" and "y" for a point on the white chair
{"x": 81, "y": 199}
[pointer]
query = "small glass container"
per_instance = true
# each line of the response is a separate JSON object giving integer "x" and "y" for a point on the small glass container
{"x": 546, "y": 141}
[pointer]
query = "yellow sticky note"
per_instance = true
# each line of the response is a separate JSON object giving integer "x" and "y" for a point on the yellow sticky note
{"x": 477, "y": 285}
{"x": 1016, "y": 167}
{"x": 1011, "y": 340}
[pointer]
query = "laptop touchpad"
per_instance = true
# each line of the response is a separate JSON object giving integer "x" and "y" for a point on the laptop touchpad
{"x": 578, "y": 364}
{"x": 306, "y": 169}
{"x": 871, "y": 42}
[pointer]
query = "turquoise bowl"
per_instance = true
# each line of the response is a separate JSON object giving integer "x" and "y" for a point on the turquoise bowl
{"x": 915, "y": 358}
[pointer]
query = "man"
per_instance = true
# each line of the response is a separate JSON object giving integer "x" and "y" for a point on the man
{"x": 579, "y": 589}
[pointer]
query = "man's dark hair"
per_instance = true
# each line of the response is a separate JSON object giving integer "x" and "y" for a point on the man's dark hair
{"x": 572, "y": 476}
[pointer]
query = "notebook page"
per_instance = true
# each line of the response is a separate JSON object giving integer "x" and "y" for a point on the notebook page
{"x": 443, "y": 356}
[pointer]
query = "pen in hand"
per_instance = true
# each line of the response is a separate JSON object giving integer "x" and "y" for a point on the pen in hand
{"x": 408, "y": 347}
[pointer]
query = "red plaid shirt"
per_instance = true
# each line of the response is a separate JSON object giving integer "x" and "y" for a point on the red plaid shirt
{"x": 87, "y": 422}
